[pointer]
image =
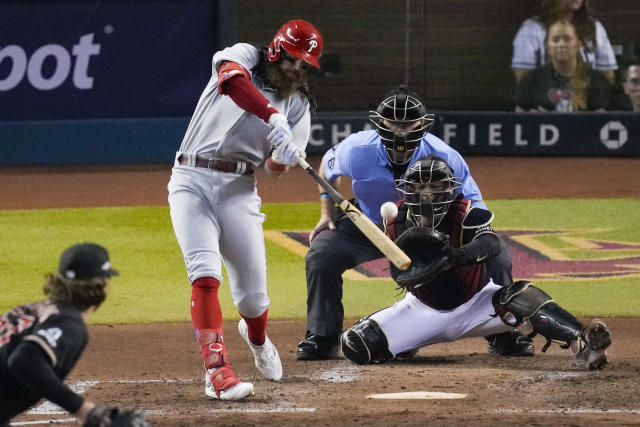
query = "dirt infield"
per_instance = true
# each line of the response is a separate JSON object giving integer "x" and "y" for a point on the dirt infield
{"x": 157, "y": 368}
{"x": 544, "y": 390}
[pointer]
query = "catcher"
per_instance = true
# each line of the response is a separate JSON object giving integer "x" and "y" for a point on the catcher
{"x": 449, "y": 295}
{"x": 42, "y": 341}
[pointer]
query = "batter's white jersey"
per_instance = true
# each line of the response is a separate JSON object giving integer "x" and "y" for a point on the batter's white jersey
{"x": 216, "y": 215}
{"x": 220, "y": 129}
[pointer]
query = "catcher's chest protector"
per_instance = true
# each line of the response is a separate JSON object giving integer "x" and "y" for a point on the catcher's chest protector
{"x": 394, "y": 227}
{"x": 460, "y": 284}
{"x": 459, "y": 211}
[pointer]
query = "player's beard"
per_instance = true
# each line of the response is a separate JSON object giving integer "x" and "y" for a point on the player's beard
{"x": 286, "y": 84}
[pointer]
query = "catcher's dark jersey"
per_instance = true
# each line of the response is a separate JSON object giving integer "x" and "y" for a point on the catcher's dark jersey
{"x": 59, "y": 332}
{"x": 458, "y": 285}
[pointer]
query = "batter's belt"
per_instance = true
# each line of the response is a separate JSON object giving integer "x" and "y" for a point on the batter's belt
{"x": 239, "y": 168}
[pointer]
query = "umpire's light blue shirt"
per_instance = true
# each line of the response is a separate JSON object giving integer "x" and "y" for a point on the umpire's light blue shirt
{"x": 363, "y": 158}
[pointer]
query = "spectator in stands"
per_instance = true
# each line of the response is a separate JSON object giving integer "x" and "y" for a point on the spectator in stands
{"x": 631, "y": 83}
{"x": 566, "y": 83}
{"x": 529, "y": 42}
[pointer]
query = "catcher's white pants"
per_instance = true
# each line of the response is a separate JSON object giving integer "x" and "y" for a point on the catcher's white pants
{"x": 216, "y": 219}
{"x": 410, "y": 324}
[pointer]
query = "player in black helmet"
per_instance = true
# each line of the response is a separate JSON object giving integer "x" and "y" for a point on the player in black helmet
{"x": 450, "y": 294}
{"x": 42, "y": 341}
{"x": 373, "y": 159}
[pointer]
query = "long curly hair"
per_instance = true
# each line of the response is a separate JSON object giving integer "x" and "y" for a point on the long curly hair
{"x": 80, "y": 294}
{"x": 582, "y": 19}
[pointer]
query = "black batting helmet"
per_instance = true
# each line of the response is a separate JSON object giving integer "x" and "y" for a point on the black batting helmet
{"x": 401, "y": 106}
{"x": 428, "y": 187}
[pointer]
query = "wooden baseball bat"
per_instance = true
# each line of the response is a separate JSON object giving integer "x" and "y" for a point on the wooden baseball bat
{"x": 364, "y": 224}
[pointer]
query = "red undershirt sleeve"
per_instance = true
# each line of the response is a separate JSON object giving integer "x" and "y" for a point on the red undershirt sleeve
{"x": 234, "y": 81}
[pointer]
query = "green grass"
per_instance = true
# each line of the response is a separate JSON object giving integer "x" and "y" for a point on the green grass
{"x": 153, "y": 286}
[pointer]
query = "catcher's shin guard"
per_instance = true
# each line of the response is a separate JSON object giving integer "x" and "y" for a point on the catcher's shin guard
{"x": 365, "y": 342}
{"x": 523, "y": 302}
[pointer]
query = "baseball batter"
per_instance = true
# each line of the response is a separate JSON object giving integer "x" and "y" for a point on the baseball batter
{"x": 449, "y": 293}
{"x": 41, "y": 342}
{"x": 373, "y": 159}
{"x": 254, "y": 111}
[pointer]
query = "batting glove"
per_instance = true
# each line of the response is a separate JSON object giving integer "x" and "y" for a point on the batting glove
{"x": 280, "y": 130}
{"x": 287, "y": 154}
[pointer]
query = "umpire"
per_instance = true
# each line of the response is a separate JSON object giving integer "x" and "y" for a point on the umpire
{"x": 41, "y": 342}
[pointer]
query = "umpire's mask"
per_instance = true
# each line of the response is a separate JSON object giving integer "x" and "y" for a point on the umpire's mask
{"x": 428, "y": 187}
{"x": 401, "y": 120}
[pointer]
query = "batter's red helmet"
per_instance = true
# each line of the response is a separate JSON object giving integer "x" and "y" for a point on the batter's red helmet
{"x": 299, "y": 39}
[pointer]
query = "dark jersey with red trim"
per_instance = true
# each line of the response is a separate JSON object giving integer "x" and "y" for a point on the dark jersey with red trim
{"x": 462, "y": 225}
{"x": 61, "y": 333}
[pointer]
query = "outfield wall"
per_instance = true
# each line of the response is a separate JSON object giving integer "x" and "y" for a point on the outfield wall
{"x": 104, "y": 82}
{"x": 155, "y": 140}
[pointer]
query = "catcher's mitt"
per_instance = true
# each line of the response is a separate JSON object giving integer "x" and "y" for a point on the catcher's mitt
{"x": 430, "y": 255}
{"x": 103, "y": 416}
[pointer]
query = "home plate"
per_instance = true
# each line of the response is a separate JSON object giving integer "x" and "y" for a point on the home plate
{"x": 418, "y": 395}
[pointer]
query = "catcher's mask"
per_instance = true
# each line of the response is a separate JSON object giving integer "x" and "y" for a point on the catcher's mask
{"x": 401, "y": 120}
{"x": 427, "y": 188}
{"x": 300, "y": 39}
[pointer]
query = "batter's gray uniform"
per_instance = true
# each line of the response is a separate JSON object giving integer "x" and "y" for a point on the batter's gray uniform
{"x": 216, "y": 215}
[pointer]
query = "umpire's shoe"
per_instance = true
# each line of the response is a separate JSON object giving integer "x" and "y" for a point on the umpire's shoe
{"x": 511, "y": 343}
{"x": 266, "y": 355}
{"x": 316, "y": 347}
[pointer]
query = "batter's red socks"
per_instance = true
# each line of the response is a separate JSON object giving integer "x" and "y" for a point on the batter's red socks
{"x": 256, "y": 328}
{"x": 205, "y": 307}
{"x": 206, "y": 316}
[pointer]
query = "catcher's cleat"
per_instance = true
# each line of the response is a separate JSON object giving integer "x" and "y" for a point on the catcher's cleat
{"x": 511, "y": 343}
{"x": 316, "y": 347}
{"x": 407, "y": 355}
{"x": 594, "y": 340}
{"x": 266, "y": 355}
{"x": 221, "y": 383}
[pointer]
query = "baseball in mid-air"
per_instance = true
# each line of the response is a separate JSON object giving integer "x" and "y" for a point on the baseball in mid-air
{"x": 388, "y": 210}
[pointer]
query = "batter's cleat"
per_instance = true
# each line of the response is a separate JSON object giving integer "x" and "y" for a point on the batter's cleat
{"x": 266, "y": 355}
{"x": 316, "y": 347}
{"x": 594, "y": 340}
{"x": 220, "y": 383}
{"x": 511, "y": 343}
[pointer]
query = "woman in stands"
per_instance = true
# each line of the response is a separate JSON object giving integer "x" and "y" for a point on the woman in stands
{"x": 566, "y": 83}
{"x": 529, "y": 43}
